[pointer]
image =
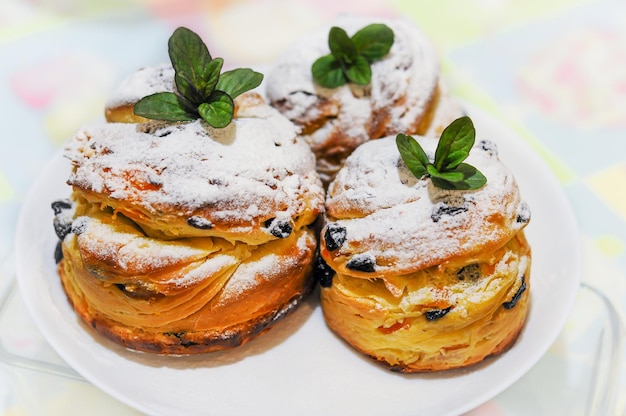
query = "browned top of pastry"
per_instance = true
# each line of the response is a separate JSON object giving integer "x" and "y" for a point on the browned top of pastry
{"x": 383, "y": 221}
{"x": 247, "y": 181}
{"x": 335, "y": 121}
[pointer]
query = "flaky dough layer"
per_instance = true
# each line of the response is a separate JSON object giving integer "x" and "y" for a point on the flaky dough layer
{"x": 438, "y": 318}
{"x": 186, "y": 296}
{"x": 252, "y": 181}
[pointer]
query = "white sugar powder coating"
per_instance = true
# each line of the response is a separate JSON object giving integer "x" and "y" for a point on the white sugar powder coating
{"x": 205, "y": 270}
{"x": 398, "y": 224}
{"x": 143, "y": 82}
{"x": 132, "y": 252}
{"x": 187, "y": 166}
{"x": 256, "y": 270}
{"x": 409, "y": 71}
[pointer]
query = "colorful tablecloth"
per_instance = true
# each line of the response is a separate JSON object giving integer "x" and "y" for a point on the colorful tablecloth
{"x": 553, "y": 71}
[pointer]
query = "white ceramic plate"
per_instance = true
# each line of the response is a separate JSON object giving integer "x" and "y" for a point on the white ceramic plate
{"x": 300, "y": 367}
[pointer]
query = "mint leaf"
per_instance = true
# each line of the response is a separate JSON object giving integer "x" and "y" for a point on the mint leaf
{"x": 218, "y": 112}
{"x": 350, "y": 58}
{"x": 327, "y": 72}
{"x": 341, "y": 47}
{"x": 162, "y": 106}
{"x": 191, "y": 61}
{"x": 360, "y": 71}
{"x": 201, "y": 91}
{"x": 373, "y": 41}
{"x": 471, "y": 178}
{"x": 413, "y": 155}
{"x": 455, "y": 143}
{"x": 238, "y": 81}
{"x": 448, "y": 170}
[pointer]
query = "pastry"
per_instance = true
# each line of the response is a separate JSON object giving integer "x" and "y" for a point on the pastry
{"x": 144, "y": 81}
{"x": 418, "y": 277}
{"x": 181, "y": 237}
{"x": 406, "y": 93}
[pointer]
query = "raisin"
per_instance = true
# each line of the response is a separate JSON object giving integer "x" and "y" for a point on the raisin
{"x": 60, "y": 205}
{"x": 470, "y": 272}
{"x": 58, "y": 253}
{"x": 199, "y": 223}
{"x": 442, "y": 209}
{"x": 518, "y": 295}
{"x": 61, "y": 228}
{"x": 323, "y": 272}
{"x": 362, "y": 262}
{"x": 437, "y": 313}
{"x": 334, "y": 236}
{"x": 280, "y": 228}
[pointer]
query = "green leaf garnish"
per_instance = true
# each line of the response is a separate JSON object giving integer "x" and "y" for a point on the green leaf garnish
{"x": 447, "y": 171}
{"x": 163, "y": 106}
{"x": 350, "y": 58}
{"x": 202, "y": 91}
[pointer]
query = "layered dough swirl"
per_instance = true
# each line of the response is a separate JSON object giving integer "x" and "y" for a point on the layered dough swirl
{"x": 406, "y": 93}
{"x": 187, "y": 239}
{"x": 420, "y": 278}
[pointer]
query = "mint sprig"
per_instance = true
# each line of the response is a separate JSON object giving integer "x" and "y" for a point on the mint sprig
{"x": 447, "y": 171}
{"x": 202, "y": 91}
{"x": 350, "y": 57}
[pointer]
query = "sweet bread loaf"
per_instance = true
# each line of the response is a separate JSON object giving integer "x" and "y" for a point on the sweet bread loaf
{"x": 406, "y": 93}
{"x": 183, "y": 238}
{"x": 418, "y": 277}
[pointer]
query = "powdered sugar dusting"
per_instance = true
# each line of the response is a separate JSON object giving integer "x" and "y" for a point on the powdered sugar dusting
{"x": 409, "y": 72}
{"x": 131, "y": 252}
{"x": 408, "y": 224}
{"x": 207, "y": 269}
{"x": 143, "y": 82}
{"x": 265, "y": 268}
{"x": 256, "y": 162}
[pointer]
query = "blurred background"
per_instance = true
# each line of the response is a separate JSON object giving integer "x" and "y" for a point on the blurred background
{"x": 554, "y": 72}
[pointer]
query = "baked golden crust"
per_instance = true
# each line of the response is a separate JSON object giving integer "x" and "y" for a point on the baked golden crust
{"x": 439, "y": 318}
{"x": 403, "y": 224}
{"x": 186, "y": 296}
{"x": 246, "y": 182}
{"x": 406, "y": 94}
{"x": 143, "y": 82}
{"x": 180, "y": 238}
{"x": 424, "y": 279}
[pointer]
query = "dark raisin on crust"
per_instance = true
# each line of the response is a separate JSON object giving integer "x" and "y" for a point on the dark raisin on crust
{"x": 437, "y": 313}
{"x": 60, "y": 205}
{"x": 61, "y": 227}
{"x": 323, "y": 272}
{"x": 362, "y": 262}
{"x": 62, "y": 221}
{"x": 280, "y": 228}
{"x": 200, "y": 223}
{"x": 442, "y": 209}
{"x": 58, "y": 253}
{"x": 518, "y": 295}
{"x": 334, "y": 236}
